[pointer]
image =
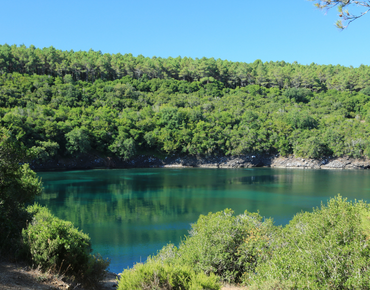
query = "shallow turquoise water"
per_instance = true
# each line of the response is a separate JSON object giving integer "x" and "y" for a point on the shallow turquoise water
{"x": 131, "y": 213}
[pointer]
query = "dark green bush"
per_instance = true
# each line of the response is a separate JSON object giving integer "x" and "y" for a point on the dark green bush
{"x": 223, "y": 244}
{"x": 325, "y": 249}
{"x": 55, "y": 244}
{"x": 298, "y": 94}
{"x": 157, "y": 275}
{"x": 366, "y": 91}
{"x": 18, "y": 185}
{"x": 45, "y": 150}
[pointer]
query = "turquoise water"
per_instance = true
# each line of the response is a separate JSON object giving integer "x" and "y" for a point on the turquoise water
{"x": 131, "y": 213}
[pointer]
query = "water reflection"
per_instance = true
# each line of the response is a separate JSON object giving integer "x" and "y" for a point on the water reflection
{"x": 130, "y": 214}
{"x": 258, "y": 179}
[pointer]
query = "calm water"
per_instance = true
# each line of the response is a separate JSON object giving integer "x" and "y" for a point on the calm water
{"x": 131, "y": 213}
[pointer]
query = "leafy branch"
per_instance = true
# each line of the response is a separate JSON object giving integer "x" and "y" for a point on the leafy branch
{"x": 345, "y": 16}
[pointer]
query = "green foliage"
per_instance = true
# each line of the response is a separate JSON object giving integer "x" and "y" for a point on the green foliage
{"x": 121, "y": 105}
{"x": 157, "y": 275}
{"x": 298, "y": 95}
{"x": 301, "y": 119}
{"x": 50, "y": 243}
{"x": 273, "y": 285}
{"x": 56, "y": 245}
{"x": 123, "y": 147}
{"x": 366, "y": 91}
{"x": 18, "y": 185}
{"x": 208, "y": 76}
{"x": 345, "y": 16}
{"x": 45, "y": 150}
{"x": 324, "y": 249}
{"x": 223, "y": 244}
{"x": 78, "y": 141}
{"x": 307, "y": 145}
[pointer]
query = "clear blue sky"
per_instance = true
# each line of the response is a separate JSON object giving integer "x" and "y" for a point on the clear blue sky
{"x": 236, "y": 30}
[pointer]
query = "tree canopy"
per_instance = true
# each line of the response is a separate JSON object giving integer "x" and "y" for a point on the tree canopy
{"x": 184, "y": 106}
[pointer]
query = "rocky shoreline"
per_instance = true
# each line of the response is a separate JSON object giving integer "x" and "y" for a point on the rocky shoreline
{"x": 91, "y": 161}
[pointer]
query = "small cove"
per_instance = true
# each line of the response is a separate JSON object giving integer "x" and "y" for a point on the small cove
{"x": 131, "y": 213}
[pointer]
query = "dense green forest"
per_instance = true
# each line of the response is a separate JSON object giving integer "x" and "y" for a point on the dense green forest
{"x": 64, "y": 103}
{"x": 92, "y": 65}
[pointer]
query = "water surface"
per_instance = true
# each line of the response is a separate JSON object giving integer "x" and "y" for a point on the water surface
{"x": 131, "y": 213}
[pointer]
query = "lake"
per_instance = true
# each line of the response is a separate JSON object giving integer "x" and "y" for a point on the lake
{"x": 131, "y": 213}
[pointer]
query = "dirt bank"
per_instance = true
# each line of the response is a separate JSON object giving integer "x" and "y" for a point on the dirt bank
{"x": 14, "y": 276}
{"x": 19, "y": 276}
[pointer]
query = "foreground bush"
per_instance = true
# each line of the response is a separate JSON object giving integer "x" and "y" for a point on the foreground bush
{"x": 55, "y": 244}
{"x": 223, "y": 244}
{"x": 18, "y": 185}
{"x": 325, "y": 249}
{"x": 328, "y": 248}
{"x": 157, "y": 275}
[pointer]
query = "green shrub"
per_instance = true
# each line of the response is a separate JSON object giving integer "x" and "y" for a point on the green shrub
{"x": 298, "y": 94}
{"x": 325, "y": 249}
{"x": 157, "y": 275}
{"x": 273, "y": 285}
{"x": 78, "y": 141}
{"x": 11, "y": 224}
{"x": 55, "y": 244}
{"x": 223, "y": 244}
{"x": 18, "y": 185}
{"x": 45, "y": 150}
{"x": 366, "y": 91}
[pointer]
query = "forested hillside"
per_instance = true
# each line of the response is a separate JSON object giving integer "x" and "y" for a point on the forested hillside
{"x": 92, "y": 65}
{"x": 66, "y": 103}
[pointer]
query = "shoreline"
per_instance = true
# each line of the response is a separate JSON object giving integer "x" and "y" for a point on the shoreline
{"x": 94, "y": 161}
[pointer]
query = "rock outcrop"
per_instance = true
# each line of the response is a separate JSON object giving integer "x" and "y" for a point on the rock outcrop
{"x": 89, "y": 161}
